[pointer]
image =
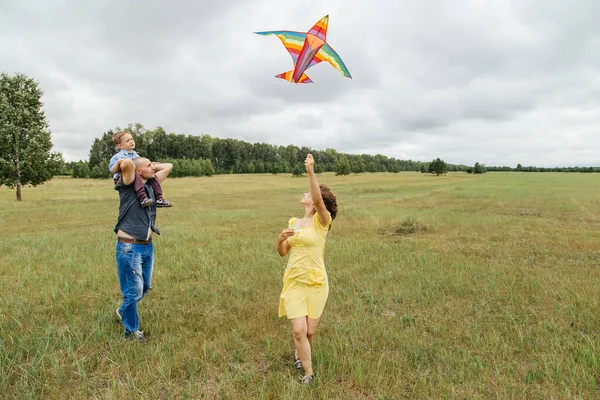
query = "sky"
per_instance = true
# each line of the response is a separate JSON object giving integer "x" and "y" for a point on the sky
{"x": 499, "y": 82}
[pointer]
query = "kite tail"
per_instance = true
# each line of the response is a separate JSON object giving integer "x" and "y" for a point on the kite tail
{"x": 288, "y": 77}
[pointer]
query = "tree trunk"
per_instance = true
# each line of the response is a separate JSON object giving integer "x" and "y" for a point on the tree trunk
{"x": 17, "y": 172}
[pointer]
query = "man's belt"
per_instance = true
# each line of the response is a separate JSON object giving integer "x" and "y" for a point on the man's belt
{"x": 131, "y": 240}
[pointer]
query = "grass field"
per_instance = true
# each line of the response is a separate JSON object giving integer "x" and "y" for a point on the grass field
{"x": 447, "y": 287}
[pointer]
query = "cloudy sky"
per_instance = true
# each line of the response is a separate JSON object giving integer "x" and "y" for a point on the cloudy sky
{"x": 500, "y": 82}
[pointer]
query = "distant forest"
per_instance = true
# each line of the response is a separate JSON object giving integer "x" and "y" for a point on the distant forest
{"x": 205, "y": 155}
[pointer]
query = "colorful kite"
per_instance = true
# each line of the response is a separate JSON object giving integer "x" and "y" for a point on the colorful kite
{"x": 308, "y": 49}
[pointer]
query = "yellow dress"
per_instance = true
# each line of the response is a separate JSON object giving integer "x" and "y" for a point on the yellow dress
{"x": 305, "y": 284}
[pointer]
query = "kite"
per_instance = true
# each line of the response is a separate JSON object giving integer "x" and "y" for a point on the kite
{"x": 308, "y": 49}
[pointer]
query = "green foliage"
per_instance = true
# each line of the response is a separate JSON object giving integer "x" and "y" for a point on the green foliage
{"x": 394, "y": 168}
{"x": 232, "y": 156}
{"x": 438, "y": 167}
{"x": 236, "y": 156}
{"x": 298, "y": 170}
{"x": 188, "y": 167}
{"x": 25, "y": 142}
{"x": 479, "y": 169}
{"x": 342, "y": 166}
{"x": 100, "y": 171}
{"x": 80, "y": 169}
{"x": 102, "y": 149}
{"x": 181, "y": 168}
{"x": 67, "y": 169}
{"x": 357, "y": 165}
{"x": 282, "y": 167}
{"x": 531, "y": 168}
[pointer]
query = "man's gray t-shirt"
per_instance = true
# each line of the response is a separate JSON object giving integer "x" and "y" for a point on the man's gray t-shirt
{"x": 134, "y": 219}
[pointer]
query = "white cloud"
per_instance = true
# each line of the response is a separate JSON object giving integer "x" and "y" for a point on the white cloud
{"x": 494, "y": 81}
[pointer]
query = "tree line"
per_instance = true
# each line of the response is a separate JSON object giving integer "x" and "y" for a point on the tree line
{"x": 26, "y": 157}
{"x": 205, "y": 155}
{"x": 439, "y": 167}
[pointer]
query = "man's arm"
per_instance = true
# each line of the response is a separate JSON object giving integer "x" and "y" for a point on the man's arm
{"x": 127, "y": 168}
{"x": 162, "y": 170}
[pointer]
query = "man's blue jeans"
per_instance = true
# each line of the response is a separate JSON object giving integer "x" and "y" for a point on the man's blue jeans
{"x": 134, "y": 266}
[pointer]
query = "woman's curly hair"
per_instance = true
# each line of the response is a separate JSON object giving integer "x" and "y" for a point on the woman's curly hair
{"x": 329, "y": 200}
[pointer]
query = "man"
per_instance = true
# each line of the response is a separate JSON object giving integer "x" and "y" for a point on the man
{"x": 134, "y": 229}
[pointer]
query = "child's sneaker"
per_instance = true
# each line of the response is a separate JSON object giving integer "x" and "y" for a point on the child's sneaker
{"x": 163, "y": 203}
{"x": 147, "y": 202}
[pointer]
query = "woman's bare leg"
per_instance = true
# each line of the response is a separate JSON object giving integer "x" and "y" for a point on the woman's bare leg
{"x": 300, "y": 332}
{"x": 311, "y": 328}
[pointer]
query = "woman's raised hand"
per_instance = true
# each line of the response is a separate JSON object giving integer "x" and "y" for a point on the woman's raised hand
{"x": 309, "y": 163}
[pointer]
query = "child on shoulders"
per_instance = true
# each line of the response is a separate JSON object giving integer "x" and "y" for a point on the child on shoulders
{"x": 126, "y": 144}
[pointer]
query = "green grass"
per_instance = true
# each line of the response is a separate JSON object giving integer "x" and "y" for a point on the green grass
{"x": 457, "y": 286}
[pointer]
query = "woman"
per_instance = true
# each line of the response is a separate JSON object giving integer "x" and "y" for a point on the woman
{"x": 305, "y": 284}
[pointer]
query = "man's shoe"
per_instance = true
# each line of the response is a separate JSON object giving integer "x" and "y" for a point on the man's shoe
{"x": 163, "y": 203}
{"x": 118, "y": 312}
{"x": 146, "y": 202}
{"x": 138, "y": 336}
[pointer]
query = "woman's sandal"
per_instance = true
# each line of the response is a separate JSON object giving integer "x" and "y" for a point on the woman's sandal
{"x": 297, "y": 362}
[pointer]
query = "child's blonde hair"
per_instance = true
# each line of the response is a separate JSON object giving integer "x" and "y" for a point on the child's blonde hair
{"x": 119, "y": 135}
